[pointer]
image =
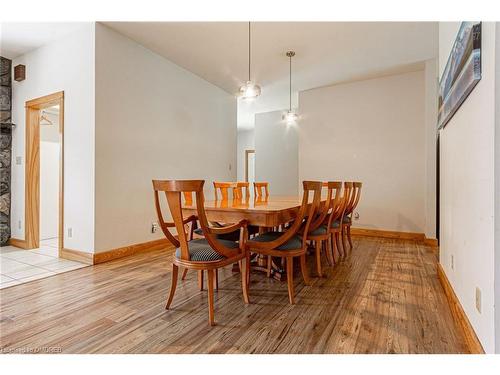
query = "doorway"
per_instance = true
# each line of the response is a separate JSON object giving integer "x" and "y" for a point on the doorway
{"x": 250, "y": 166}
{"x": 44, "y": 172}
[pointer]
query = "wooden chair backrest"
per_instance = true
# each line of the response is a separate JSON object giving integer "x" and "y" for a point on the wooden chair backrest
{"x": 347, "y": 198}
{"x": 242, "y": 190}
{"x": 328, "y": 210}
{"x": 307, "y": 210}
{"x": 173, "y": 190}
{"x": 261, "y": 189}
{"x": 223, "y": 188}
{"x": 354, "y": 198}
{"x": 357, "y": 192}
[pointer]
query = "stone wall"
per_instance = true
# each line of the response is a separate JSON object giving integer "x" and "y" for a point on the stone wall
{"x": 5, "y": 147}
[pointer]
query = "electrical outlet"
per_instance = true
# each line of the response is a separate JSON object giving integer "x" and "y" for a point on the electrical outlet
{"x": 154, "y": 227}
{"x": 356, "y": 215}
{"x": 70, "y": 232}
{"x": 19, "y": 160}
{"x": 478, "y": 300}
{"x": 19, "y": 224}
{"x": 452, "y": 262}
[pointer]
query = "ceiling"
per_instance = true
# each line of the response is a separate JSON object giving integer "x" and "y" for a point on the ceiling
{"x": 326, "y": 53}
{"x": 18, "y": 38}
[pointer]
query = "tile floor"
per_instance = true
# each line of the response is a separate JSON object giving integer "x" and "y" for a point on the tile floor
{"x": 19, "y": 266}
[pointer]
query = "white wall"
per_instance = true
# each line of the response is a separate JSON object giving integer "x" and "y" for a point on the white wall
{"x": 497, "y": 188}
{"x": 246, "y": 141}
{"x": 431, "y": 113}
{"x": 276, "y": 153}
{"x": 371, "y": 131}
{"x": 154, "y": 120}
{"x": 49, "y": 178}
{"x": 467, "y": 189}
{"x": 63, "y": 65}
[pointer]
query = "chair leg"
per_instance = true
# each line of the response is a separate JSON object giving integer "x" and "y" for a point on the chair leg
{"x": 200, "y": 279}
{"x": 211, "y": 297}
{"x": 326, "y": 247}
{"x": 349, "y": 236}
{"x": 289, "y": 278}
{"x": 344, "y": 243}
{"x": 269, "y": 264}
{"x": 184, "y": 274}
{"x": 245, "y": 278}
{"x": 216, "y": 279}
{"x": 334, "y": 248}
{"x": 303, "y": 269}
{"x": 248, "y": 271}
{"x": 318, "y": 258}
{"x": 339, "y": 246}
{"x": 173, "y": 285}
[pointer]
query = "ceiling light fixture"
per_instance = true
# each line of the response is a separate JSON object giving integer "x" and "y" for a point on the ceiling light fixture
{"x": 249, "y": 90}
{"x": 291, "y": 116}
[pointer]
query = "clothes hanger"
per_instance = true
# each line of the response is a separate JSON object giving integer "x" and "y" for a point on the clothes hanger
{"x": 43, "y": 118}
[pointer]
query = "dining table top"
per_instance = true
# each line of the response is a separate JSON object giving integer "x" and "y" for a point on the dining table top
{"x": 262, "y": 211}
{"x": 271, "y": 203}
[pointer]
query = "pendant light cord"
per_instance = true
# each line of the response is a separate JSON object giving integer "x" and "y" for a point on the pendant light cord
{"x": 290, "y": 83}
{"x": 249, "y": 40}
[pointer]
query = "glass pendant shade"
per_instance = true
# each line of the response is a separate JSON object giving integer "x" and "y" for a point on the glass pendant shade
{"x": 249, "y": 90}
{"x": 291, "y": 117}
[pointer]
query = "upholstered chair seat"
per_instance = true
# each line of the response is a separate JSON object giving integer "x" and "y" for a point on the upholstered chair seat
{"x": 319, "y": 231}
{"x": 233, "y": 236}
{"x": 335, "y": 224}
{"x": 201, "y": 251}
{"x": 293, "y": 243}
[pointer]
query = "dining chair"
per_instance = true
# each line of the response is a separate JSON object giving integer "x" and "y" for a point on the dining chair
{"x": 261, "y": 189}
{"x": 347, "y": 218}
{"x": 206, "y": 254}
{"x": 319, "y": 232}
{"x": 336, "y": 227}
{"x": 223, "y": 188}
{"x": 242, "y": 190}
{"x": 289, "y": 244}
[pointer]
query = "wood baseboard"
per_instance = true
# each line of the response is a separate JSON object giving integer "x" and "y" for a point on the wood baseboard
{"x": 420, "y": 237}
{"x": 130, "y": 250}
{"x": 18, "y": 243}
{"x": 458, "y": 313}
{"x": 77, "y": 255}
{"x": 387, "y": 234}
{"x": 120, "y": 252}
{"x": 433, "y": 242}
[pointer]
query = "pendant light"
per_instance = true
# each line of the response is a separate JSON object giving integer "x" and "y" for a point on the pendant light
{"x": 249, "y": 90}
{"x": 291, "y": 116}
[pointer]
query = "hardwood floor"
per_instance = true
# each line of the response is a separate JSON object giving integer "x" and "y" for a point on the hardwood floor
{"x": 384, "y": 298}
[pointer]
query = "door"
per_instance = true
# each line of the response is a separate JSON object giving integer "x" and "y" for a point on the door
{"x": 250, "y": 166}
{"x": 34, "y": 110}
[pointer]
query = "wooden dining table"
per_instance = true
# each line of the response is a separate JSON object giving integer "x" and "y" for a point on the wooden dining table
{"x": 264, "y": 212}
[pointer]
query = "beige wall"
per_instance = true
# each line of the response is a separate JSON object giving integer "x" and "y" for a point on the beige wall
{"x": 154, "y": 120}
{"x": 371, "y": 131}
{"x": 467, "y": 189}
